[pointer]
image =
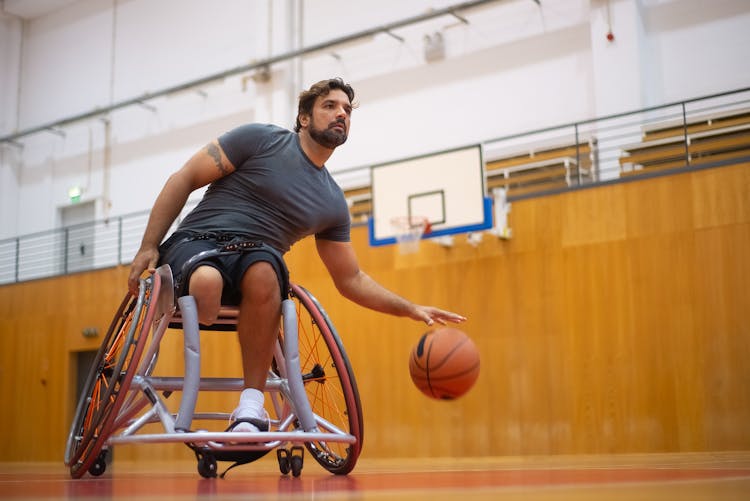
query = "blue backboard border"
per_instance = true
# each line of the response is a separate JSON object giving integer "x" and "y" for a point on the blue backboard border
{"x": 484, "y": 225}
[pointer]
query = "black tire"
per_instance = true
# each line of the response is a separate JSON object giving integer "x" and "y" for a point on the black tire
{"x": 329, "y": 384}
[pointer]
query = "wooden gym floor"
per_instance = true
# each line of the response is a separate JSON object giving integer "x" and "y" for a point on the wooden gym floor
{"x": 724, "y": 476}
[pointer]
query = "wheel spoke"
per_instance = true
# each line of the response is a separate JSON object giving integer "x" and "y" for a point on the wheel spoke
{"x": 109, "y": 380}
{"x": 333, "y": 398}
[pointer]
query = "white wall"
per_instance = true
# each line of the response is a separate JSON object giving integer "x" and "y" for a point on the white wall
{"x": 10, "y": 155}
{"x": 697, "y": 47}
{"x": 514, "y": 67}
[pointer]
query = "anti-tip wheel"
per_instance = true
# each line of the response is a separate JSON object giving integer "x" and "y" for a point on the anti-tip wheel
{"x": 99, "y": 466}
{"x": 207, "y": 466}
{"x": 296, "y": 460}
{"x": 284, "y": 464}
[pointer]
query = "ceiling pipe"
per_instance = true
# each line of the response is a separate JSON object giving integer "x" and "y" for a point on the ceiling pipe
{"x": 138, "y": 100}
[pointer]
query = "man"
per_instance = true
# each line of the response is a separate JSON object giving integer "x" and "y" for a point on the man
{"x": 268, "y": 186}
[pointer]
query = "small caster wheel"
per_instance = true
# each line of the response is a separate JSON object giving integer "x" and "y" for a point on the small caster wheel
{"x": 99, "y": 466}
{"x": 297, "y": 460}
{"x": 207, "y": 466}
{"x": 284, "y": 464}
{"x": 296, "y": 466}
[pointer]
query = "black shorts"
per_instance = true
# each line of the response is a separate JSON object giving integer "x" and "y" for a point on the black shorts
{"x": 230, "y": 254}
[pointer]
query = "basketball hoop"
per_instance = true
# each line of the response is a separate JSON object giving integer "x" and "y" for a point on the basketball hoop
{"x": 409, "y": 230}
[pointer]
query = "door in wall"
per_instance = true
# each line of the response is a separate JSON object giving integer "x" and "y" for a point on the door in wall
{"x": 76, "y": 239}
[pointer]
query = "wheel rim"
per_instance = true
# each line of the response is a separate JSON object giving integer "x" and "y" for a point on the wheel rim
{"x": 329, "y": 384}
{"x": 109, "y": 380}
{"x": 98, "y": 390}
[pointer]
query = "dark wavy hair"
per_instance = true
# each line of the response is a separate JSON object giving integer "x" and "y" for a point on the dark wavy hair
{"x": 307, "y": 98}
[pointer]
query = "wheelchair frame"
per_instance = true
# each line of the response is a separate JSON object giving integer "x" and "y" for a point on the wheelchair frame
{"x": 313, "y": 394}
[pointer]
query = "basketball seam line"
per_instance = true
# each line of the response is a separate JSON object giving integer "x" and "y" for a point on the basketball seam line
{"x": 446, "y": 357}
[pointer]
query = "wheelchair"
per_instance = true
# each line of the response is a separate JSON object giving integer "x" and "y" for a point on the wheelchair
{"x": 311, "y": 394}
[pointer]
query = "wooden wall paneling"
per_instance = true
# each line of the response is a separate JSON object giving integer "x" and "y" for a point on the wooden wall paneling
{"x": 597, "y": 346}
{"x": 477, "y": 293}
{"x": 660, "y": 222}
{"x": 23, "y": 383}
{"x": 34, "y": 388}
{"x": 722, "y": 278}
{"x": 658, "y": 206}
{"x": 593, "y": 215}
{"x": 460, "y": 287}
{"x": 680, "y": 339}
{"x": 533, "y": 284}
{"x": 30, "y": 395}
{"x": 11, "y": 374}
{"x": 500, "y": 345}
{"x": 661, "y": 273}
{"x": 394, "y": 392}
{"x": 722, "y": 196}
{"x": 90, "y": 300}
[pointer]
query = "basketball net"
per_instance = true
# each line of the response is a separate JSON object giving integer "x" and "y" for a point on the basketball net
{"x": 409, "y": 231}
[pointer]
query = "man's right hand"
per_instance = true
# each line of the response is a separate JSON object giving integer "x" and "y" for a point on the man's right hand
{"x": 146, "y": 259}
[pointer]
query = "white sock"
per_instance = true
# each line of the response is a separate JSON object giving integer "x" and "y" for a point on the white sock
{"x": 251, "y": 404}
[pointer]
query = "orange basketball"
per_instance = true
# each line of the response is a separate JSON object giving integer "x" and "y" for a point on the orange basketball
{"x": 444, "y": 363}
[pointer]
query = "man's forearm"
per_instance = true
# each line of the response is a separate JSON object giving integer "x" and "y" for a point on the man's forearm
{"x": 366, "y": 292}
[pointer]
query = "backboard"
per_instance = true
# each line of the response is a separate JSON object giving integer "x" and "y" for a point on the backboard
{"x": 447, "y": 188}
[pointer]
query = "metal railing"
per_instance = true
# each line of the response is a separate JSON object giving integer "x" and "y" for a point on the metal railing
{"x": 82, "y": 247}
{"x": 611, "y": 155}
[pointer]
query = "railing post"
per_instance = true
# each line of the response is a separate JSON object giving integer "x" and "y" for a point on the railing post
{"x": 18, "y": 258}
{"x": 578, "y": 156}
{"x": 685, "y": 133}
{"x": 65, "y": 253}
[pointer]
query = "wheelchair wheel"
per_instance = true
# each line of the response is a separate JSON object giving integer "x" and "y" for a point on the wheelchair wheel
{"x": 109, "y": 379}
{"x": 329, "y": 383}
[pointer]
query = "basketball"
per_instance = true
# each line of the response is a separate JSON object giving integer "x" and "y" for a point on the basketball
{"x": 444, "y": 364}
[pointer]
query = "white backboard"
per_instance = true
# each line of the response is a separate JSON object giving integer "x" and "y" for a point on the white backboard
{"x": 447, "y": 188}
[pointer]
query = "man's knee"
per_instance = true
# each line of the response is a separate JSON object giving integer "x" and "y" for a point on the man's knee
{"x": 260, "y": 284}
{"x": 206, "y": 286}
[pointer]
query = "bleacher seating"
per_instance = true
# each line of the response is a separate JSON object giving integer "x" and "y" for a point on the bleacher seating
{"x": 672, "y": 143}
{"x": 542, "y": 167}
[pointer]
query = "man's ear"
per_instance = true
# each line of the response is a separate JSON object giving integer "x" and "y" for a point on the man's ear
{"x": 304, "y": 119}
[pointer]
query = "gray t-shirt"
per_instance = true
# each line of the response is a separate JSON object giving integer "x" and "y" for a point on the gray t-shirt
{"x": 276, "y": 194}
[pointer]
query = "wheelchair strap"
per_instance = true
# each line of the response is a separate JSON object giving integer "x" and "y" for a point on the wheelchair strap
{"x": 235, "y": 244}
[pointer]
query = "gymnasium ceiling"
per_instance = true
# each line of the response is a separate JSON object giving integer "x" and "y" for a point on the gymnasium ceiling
{"x": 29, "y": 9}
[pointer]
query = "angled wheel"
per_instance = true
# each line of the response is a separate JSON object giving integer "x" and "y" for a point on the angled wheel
{"x": 329, "y": 383}
{"x": 109, "y": 378}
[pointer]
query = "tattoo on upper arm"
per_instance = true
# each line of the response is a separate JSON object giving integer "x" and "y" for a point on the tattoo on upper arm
{"x": 213, "y": 152}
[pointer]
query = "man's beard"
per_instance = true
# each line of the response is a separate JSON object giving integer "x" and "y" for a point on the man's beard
{"x": 328, "y": 138}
